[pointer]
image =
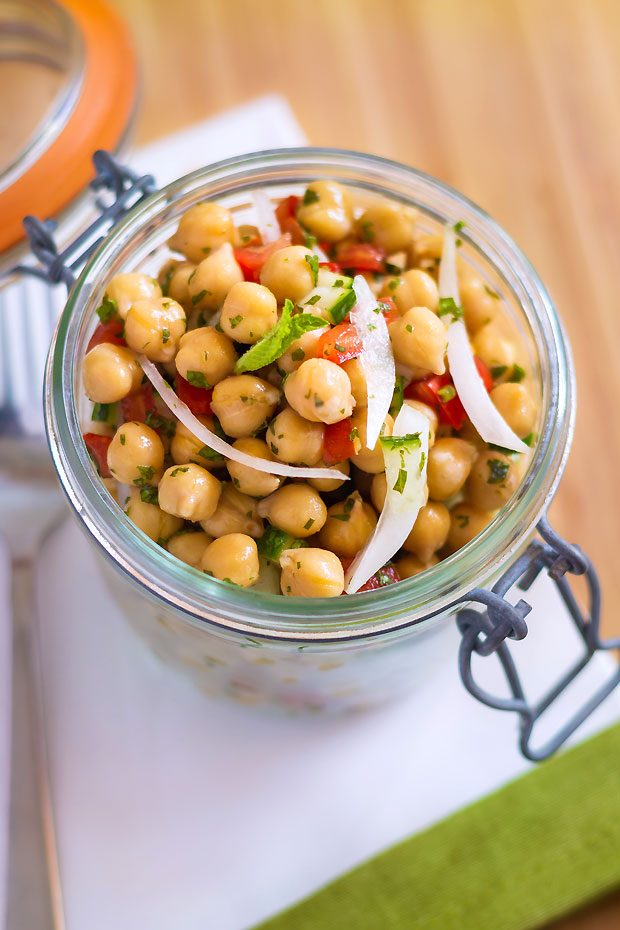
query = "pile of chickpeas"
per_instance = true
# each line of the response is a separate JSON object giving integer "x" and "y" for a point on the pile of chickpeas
{"x": 196, "y": 320}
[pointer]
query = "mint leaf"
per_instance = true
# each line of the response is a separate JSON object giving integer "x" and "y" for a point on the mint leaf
{"x": 277, "y": 340}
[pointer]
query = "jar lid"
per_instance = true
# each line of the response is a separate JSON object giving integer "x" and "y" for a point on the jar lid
{"x": 73, "y": 72}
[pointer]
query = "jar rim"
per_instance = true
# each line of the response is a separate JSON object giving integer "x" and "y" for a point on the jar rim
{"x": 268, "y": 616}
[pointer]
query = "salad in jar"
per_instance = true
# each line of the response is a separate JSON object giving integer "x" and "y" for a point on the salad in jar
{"x": 323, "y": 402}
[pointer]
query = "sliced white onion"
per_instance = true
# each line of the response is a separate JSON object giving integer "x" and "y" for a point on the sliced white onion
{"x": 266, "y": 219}
{"x": 220, "y": 445}
{"x": 486, "y": 418}
{"x": 401, "y": 508}
{"x": 377, "y": 359}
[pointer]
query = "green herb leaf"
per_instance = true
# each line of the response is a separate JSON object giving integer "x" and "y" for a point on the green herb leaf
{"x": 368, "y": 232}
{"x": 108, "y": 310}
{"x": 308, "y": 524}
{"x": 398, "y": 396}
{"x": 273, "y": 542}
{"x": 277, "y": 340}
{"x": 148, "y": 494}
{"x": 310, "y": 197}
{"x": 100, "y": 412}
{"x": 197, "y": 379}
{"x": 179, "y": 471}
{"x": 491, "y": 292}
{"x": 530, "y": 439}
{"x": 313, "y": 262}
{"x": 198, "y": 297}
{"x": 446, "y": 393}
{"x": 209, "y": 454}
{"x": 165, "y": 335}
{"x": 165, "y": 284}
{"x": 401, "y": 442}
{"x": 448, "y": 306}
{"x": 517, "y": 374}
{"x": 401, "y": 481}
{"x": 497, "y": 471}
{"x": 498, "y": 370}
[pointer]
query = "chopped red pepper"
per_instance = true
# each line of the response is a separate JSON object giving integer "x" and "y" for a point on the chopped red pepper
{"x": 337, "y": 442}
{"x": 136, "y": 406}
{"x": 438, "y": 392}
{"x": 386, "y": 575}
{"x": 286, "y": 214}
{"x": 339, "y": 344}
{"x": 485, "y": 373}
{"x": 98, "y": 448}
{"x": 331, "y": 266}
{"x": 112, "y": 331}
{"x": 361, "y": 256}
{"x": 388, "y": 309}
{"x": 197, "y": 399}
{"x": 251, "y": 258}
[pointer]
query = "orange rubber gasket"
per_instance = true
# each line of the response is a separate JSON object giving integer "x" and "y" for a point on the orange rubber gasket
{"x": 99, "y": 119}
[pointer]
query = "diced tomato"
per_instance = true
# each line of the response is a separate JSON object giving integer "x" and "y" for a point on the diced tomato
{"x": 386, "y": 575}
{"x": 339, "y": 344}
{"x": 286, "y": 214}
{"x": 331, "y": 266}
{"x": 428, "y": 390}
{"x": 98, "y": 449}
{"x": 388, "y": 309}
{"x": 485, "y": 373}
{"x": 337, "y": 442}
{"x": 251, "y": 258}
{"x": 136, "y": 406}
{"x": 112, "y": 331}
{"x": 197, "y": 399}
{"x": 361, "y": 256}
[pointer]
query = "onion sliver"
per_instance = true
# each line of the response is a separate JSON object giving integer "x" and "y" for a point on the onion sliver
{"x": 405, "y": 472}
{"x": 377, "y": 359}
{"x": 220, "y": 445}
{"x": 486, "y": 418}
{"x": 266, "y": 219}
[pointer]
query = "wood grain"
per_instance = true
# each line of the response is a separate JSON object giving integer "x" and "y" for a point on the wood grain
{"x": 515, "y": 102}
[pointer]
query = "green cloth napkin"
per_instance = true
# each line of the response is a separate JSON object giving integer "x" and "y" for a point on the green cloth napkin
{"x": 536, "y": 849}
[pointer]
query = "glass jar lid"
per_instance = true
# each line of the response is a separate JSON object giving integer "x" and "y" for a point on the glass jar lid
{"x": 71, "y": 74}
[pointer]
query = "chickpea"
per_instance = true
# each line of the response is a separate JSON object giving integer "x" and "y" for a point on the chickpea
{"x": 409, "y": 565}
{"x": 136, "y": 453}
{"x": 326, "y": 210}
{"x": 189, "y": 492}
{"x": 449, "y": 464}
{"x": 110, "y": 373}
{"x": 189, "y": 547}
{"x": 388, "y": 224}
{"x": 243, "y": 403}
{"x": 233, "y": 558}
{"x": 370, "y": 460}
{"x": 429, "y": 532}
{"x": 295, "y": 440}
{"x": 235, "y": 513}
{"x": 516, "y": 406}
{"x": 320, "y": 391}
{"x": 465, "y": 523}
{"x": 296, "y": 508}
{"x": 479, "y": 306}
{"x": 213, "y": 278}
{"x": 311, "y": 573}
{"x": 414, "y": 288}
{"x": 205, "y": 356}
{"x": 355, "y": 373}
{"x": 287, "y": 273}
{"x": 126, "y": 289}
{"x": 431, "y": 416}
{"x": 150, "y": 518}
{"x": 493, "y": 348}
{"x": 154, "y": 328}
{"x": 301, "y": 349}
{"x": 330, "y": 484}
{"x": 419, "y": 340}
{"x": 173, "y": 278}
{"x": 349, "y": 524}
{"x": 203, "y": 228}
{"x": 250, "y": 480}
{"x": 185, "y": 447}
{"x": 493, "y": 481}
{"x": 249, "y": 311}
{"x": 378, "y": 491}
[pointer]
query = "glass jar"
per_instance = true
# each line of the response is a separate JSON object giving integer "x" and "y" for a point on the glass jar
{"x": 323, "y": 654}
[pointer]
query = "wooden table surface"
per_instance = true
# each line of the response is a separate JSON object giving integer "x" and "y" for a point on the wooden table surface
{"x": 515, "y": 102}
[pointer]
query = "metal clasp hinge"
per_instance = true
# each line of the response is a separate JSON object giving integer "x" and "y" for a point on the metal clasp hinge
{"x": 486, "y": 632}
{"x": 125, "y": 188}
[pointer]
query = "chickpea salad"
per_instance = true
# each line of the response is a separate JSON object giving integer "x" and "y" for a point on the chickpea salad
{"x": 324, "y": 402}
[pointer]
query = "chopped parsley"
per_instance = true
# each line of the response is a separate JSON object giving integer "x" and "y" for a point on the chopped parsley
{"x": 273, "y": 542}
{"x": 310, "y": 197}
{"x": 165, "y": 284}
{"x": 368, "y": 233}
{"x": 517, "y": 374}
{"x": 401, "y": 481}
{"x": 313, "y": 262}
{"x": 491, "y": 292}
{"x": 122, "y": 439}
{"x": 446, "y": 393}
{"x": 179, "y": 471}
{"x": 162, "y": 424}
{"x": 165, "y": 335}
{"x": 462, "y": 519}
{"x": 400, "y": 442}
{"x": 497, "y": 471}
{"x": 235, "y": 320}
{"x": 298, "y": 354}
{"x": 312, "y": 300}
{"x": 100, "y": 412}
{"x": 197, "y": 379}
{"x": 148, "y": 494}
{"x": 146, "y": 473}
{"x": 398, "y": 395}
{"x": 498, "y": 370}
{"x": 530, "y": 439}
{"x": 209, "y": 454}
{"x": 448, "y": 306}
{"x": 108, "y": 310}
{"x": 308, "y": 524}
{"x": 394, "y": 283}
{"x": 198, "y": 297}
